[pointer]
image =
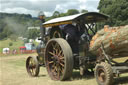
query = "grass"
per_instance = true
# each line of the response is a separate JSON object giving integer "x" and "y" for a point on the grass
{"x": 15, "y": 44}
{"x": 17, "y": 63}
{"x": 13, "y": 72}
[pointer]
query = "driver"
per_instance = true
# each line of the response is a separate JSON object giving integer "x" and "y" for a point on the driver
{"x": 72, "y": 36}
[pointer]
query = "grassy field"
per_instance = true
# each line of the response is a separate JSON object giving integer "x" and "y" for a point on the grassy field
{"x": 13, "y": 72}
{"x": 15, "y": 44}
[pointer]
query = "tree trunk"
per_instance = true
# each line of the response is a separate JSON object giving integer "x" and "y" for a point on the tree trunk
{"x": 114, "y": 39}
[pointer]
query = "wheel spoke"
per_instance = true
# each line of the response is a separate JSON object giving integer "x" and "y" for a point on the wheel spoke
{"x": 52, "y": 53}
{"x": 54, "y": 69}
{"x": 56, "y": 45}
{"x": 52, "y": 45}
{"x": 51, "y": 62}
{"x": 30, "y": 62}
{"x": 62, "y": 69}
{"x": 30, "y": 66}
{"x": 53, "y": 66}
{"x": 62, "y": 64}
{"x": 58, "y": 71}
{"x": 62, "y": 58}
{"x": 56, "y": 51}
{"x": 59, "y": 53}
{"x": 32, "y": 72}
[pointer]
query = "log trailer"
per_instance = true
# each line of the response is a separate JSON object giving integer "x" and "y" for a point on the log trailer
{"x": 56, "y": 53}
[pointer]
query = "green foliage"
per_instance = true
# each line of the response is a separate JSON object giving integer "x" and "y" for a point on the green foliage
{"x": 15, "y": 24}
{"x": 72, "y": 11}
{"x": 69, "y": 12}
{"x": 56, "y": 14}
{"x": 33, "y": 33}
{"x": 63, "y": 14}
{"x": 13, "y": 37}
{"x": 26, "y": 40}
{"x": 2, "y": 36}
{"x": 84, "y": 11}
{"x": 117, "y": 9}
{"x": 10, "y": 44}
{"x": 16, "y": 44}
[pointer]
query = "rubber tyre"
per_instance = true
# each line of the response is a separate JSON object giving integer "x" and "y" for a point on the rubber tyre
{"x": 68, "y": 59}
{"x": 103, "y": 69}
{"x": 32, "y": 68}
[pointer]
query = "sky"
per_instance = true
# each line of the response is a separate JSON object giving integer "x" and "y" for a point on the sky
{"x": 33, "y": 7}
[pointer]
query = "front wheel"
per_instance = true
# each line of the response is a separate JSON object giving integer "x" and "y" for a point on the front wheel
{"x": 32, "y": 66}
{"x": 104, "y": 74}
{"x": 59, "y": 59}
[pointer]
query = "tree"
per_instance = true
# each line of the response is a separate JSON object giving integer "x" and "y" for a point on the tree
{"x": 72, "y": 11}
{"x": 56, "y": 14}
{"x": 116, "y": 9}
{"x": 33, "y": 33}
{"x": 2, "y": 36}
{"x": 84, "y": 11}
{"x": 63, "y": 14}
{"x": 13, "y": 37}
{"x": 15, "y": 24}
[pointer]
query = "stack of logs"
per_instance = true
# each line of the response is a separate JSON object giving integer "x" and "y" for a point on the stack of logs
{"x": 114, "y": 39}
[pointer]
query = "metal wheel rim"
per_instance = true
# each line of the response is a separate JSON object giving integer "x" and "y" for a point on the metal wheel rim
{"x": 101, "y": 75}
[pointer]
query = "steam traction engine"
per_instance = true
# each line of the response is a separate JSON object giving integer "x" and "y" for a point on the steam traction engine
{"x": 65, "y": 46}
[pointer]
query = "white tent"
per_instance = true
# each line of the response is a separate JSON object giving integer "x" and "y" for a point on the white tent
{"x": 6, "y": 50}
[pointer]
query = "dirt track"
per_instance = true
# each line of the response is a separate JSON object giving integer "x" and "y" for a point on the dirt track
{"x": 13, "y": 72}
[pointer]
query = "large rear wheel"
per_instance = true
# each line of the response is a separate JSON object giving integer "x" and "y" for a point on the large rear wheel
{"x": 59, "y": 59}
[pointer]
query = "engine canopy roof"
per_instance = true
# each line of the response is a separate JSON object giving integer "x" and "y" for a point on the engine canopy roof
{"x": 87, "y": 18}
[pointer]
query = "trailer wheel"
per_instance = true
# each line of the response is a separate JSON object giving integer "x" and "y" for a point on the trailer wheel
{"x": 32, "y": 66}
{"x": 104, "y": 74}
{"x": 59, "y": 59}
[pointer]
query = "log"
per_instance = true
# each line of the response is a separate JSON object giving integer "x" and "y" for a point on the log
{"x": 114, "y": 39}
